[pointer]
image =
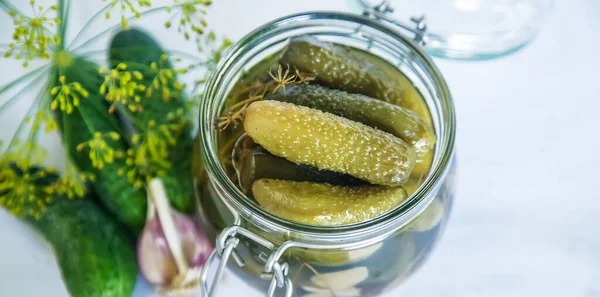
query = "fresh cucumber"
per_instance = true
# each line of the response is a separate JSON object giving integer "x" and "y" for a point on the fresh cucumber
{"x": 94, "y": 254}
{"x": 138, "y": 50}
{"x": 123, "y": 200}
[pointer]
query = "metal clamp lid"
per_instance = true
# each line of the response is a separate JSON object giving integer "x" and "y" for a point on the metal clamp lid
{"x": 226, "y": 243}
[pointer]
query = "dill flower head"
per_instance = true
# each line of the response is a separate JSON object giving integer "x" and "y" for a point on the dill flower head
{"x": 189, "y": 16}
{"x": 124, "y": 6}
{"x": 28, "y": 191}
{"x": 100, "y": 151}
{"x": 121, "y": 86}
{"x": 67, "y": 96}
{"x": 32, "y": 36}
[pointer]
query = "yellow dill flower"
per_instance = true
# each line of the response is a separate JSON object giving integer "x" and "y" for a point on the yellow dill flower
{"x": 150, "y": 156}
{"x": 125, "y": 5}
{"x": 70, "y": 184}
{"x": 26, "y": 154}
{"x": 122, "y": 87}
{"x": 189, "y": 17}
{"x": 165, "y": 80}
{"x": 66, "y": 96}
{"x": 22, "y": 192}
{"x": 100, "y": 152}
{"x": 32, "y": 37}
{"x": 28, "y": 191}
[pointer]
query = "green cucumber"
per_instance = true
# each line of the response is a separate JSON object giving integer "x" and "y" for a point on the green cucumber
{"x": 138, "y": 50}
{"x": 94, "y": 254}
{"x": 344, "y": 69}
{"x": 376, "y": 113}
{"x": 122, "y": 199}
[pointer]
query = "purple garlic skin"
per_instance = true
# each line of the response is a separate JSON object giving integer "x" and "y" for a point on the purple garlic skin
{"x": 155, "y": 259}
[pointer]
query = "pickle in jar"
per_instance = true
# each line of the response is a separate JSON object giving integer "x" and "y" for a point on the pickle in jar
{"x": 342, "y": 68}
{"x": 388, "y": 117}
{"x": 326, "y": 141}
{"x": 252, "y": 162}
{"x": 324, "y": 204}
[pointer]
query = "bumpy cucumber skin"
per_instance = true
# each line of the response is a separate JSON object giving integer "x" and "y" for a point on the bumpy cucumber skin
{"x": 326, "y": 141}
{"x": 138, "y": 50}
{"x": 375, "y": 113}
{"x": 325, "y": 204}
{"x": 94, "y": 255}
{"x": 342, "y": 69}
{"x": 255, "y": 163}
{"x": 124, "y": 201}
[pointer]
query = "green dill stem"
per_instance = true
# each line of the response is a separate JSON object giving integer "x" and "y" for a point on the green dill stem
{"x": 24, "y": 77}
{"x": 43, "y": 93}
{"x": 66, "y": 136}
{"x": 88, "y": 24}
{"x": 7, "y": 6}
{"x": 29, "y": 110}
{"x": 170, "y": 52}
{"x": 114, "y": 27}
{"x": 63, "y": 16}
{"x": 19, "y": 94}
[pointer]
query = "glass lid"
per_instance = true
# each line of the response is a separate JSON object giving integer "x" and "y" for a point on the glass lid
{"x": 465, "y": 29}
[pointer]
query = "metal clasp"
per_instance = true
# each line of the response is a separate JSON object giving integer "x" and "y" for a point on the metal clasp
{"x": 226, "y": 243}
{"x": 382, "y": 10}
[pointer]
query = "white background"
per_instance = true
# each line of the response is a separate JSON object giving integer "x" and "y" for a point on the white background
{"x": 527, "y": 215}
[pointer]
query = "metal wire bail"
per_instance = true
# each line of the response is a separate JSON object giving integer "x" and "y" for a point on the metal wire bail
{"x": 382, "y": 11}
{"x": 226, "y": 243}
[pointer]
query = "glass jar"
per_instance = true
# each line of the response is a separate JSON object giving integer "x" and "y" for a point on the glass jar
{"x": 361, "y": 259}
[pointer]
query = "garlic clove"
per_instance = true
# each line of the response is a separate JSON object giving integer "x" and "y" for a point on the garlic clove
{"x": 340, "y": 280}
{"x": 155, "y": 258}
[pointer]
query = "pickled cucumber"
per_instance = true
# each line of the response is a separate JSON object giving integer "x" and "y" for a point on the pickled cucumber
{"x": 252, "y": 162}
{"x": 326, "y": 141}
{"x": 325, "y": 204}
{"x": 376, "y": 113}
{"x": 341, "y": 68}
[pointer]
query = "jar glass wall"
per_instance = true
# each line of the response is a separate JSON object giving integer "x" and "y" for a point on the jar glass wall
{"x": 361, "y": 259}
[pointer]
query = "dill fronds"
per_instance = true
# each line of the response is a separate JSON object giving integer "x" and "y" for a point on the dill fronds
{"x": 32, "y": 37}
{"x": 121, "y": 87}
{"x": 125, "y": 5}
{"x": 189, "y": 17}
{"x": 100, "y": 151}
{"x": 149, "y": 157}
{"x": 164, "y": 79}
{"x": 258, "y": 89}
{"x": 66, "y": 96}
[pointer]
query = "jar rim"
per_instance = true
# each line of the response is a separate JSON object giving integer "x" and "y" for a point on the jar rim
{"x": 389, "y": 221}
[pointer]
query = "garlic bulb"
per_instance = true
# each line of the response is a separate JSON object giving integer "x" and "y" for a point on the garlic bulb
{"x": 154, "y": 255}
{"x": 171, "y": 249}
